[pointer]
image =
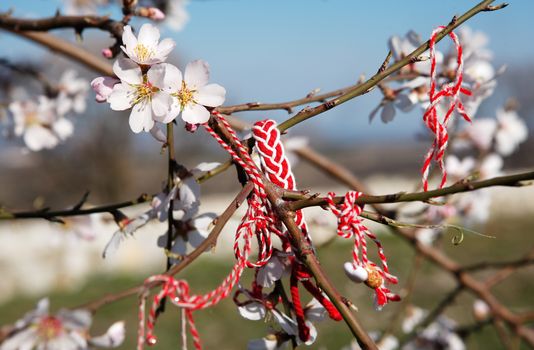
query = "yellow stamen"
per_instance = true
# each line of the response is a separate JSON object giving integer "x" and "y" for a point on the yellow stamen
{"x": 143, "y": 53}
{"x": 185, "y": 96}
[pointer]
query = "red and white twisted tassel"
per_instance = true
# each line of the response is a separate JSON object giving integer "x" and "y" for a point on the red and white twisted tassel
{"x": 350, "y": 226}
{"x": 452, "y": 92}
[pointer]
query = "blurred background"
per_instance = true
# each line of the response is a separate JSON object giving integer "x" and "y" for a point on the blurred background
{"x": 265, "y": 51}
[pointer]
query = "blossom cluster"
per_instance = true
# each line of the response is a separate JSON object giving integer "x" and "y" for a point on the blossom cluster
{"x": 155, "y": 91}
{"x": 42, "y": 121}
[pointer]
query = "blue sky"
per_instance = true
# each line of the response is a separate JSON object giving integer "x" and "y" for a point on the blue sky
{"x": 276, "y": 50}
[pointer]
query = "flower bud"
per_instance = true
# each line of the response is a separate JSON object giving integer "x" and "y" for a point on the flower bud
{"x": 356, "y": 274}
{"x": 481, "y": 310}
{"x": 103, "y": 86}
{"x": 155, "y": 14}
{"x": 107, "y": 53}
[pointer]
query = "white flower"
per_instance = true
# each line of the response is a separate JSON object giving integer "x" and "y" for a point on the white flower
{"x": 512, "y": 130}
{"x": 72, "y": 93}
{"x": 474, "y": 44}
{"x": 176, "y": 16}
{"x": 38, "y": 124}
{"x": 402, "y": 47}
{"x": 191, "y": 92}
{"x": 481, "y": 132}
{"x": 426, "y": 236}
{"x": 474, "y": 207}
{"x": 195, "y": 232}
{"x": 275, "y": 268}
{"x": 414, "y": 316}
{"x": 141, "y": 92}
{"x": 457, "y": 169}
{"x": 490, "y": 166}
{"x": 265, "y": 344}
{"x": 146, "y": 48}
{"x": 66, "y": 330}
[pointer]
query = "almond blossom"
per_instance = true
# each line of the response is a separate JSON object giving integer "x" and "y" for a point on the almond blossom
{"x": 512, "y": 131}
{"x": 140, "y": 92}
{"x": 191, "y": 92}
{"x": 38, "y": 123}
{"x": 146, "y": 48}
{"x": 66, "y": 330}
{"x": 72, "y": 93}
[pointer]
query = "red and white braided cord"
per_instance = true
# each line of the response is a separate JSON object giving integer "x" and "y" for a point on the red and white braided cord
{"x": 452, "y": 92}
{"x": 275, "y": 163}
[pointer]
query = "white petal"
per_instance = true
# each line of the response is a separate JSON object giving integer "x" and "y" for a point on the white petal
{"x": 197, "y": 74}
{"x": 141, "y": 117}
{"x": 271, "y": 272}
{"x": 262, "y": 344}
{"x": 205, "y": 166}
{"x": 63, "y": 128}
{"x": 79, "y": 319}
{"x": 195, "y": 114}
{"x": 196, "y": 237}
{"x": 156, "y": 75}
{"x": 357, "y": 274}
{"x": 211, "y": 95}
{"x": 172, "y": 78}
{"x": 128, "y": 39}
{"x": 128, "y": 71}
{"x": 388, "y": 112}
{"x": 315, "y": 311}
{"x": 253, "y": 311}
{"x": 287, "y": 324}
{"x": 114, "y": 243}
{"x": 161, "y": 104}
{"x": 36, "y": 138}
{"x": 24, "y": 340}
{"x": 179, "y": 246}
{"x": 203, "y": 222}
{"x": 148, "y": 35}
{"x": 120, "y": 98}
{"x": 158, "y": 134}
{"x": 113, "y": 338}
{"x": 189, "y": 195}
{"x": 164, "y": 48}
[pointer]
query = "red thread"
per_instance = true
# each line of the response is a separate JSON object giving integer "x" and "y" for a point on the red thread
{"x": 304, "y": 330}
{"x": 451, "y": 91}
{"x": 333, "y": 312}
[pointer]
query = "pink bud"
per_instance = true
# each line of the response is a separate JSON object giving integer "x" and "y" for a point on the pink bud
{"x": 155, "y": 14}
{"x": 358, "y": 274}
{"x": 107, "y": 53}
{"x": 481, "y": 310}
{"x": 103, "y": 86}
{"x": 191, "y": 127}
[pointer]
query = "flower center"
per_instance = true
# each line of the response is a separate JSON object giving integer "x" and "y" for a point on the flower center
{"x": 143, "y": 53}
{"x": 144, "y": 91}
{"x": 49, "y": 328}
{"x": 185, "y": 95}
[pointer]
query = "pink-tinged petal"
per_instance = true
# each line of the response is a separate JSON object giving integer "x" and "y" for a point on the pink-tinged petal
{"x": 155, "y": 14}
{"x": 195, "y": 114}
{"x": 388, "y": 112}
{"x": 141, "y": 117}
{"x": 113, "y": 338}
{"x": 253, "y": 311}
{"x": 121, "y": 97}
{"x": 128, "y": 39}
{"x": 148, "y": 35}
{"x": 103, "y": 86}
{"x": 164, "y": 48}
{"x": 128, "y": 71}
{"x": 161, "y": 104}
{"x": 197, "y": 74}
{"x": 36, "y": 138}
{"x": 211, "y": 95}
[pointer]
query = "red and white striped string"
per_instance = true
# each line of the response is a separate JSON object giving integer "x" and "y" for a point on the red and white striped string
{"x": 350, "y": 226}
{"x": 450, "y": 91}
